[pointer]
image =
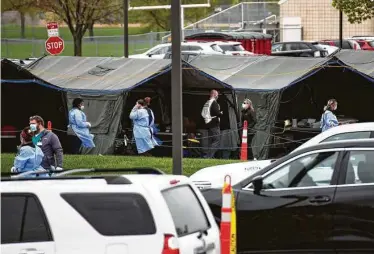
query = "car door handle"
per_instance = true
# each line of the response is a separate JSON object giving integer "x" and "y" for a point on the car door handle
{"x": 320, "y": 199}
{"x": 31, "y": 251}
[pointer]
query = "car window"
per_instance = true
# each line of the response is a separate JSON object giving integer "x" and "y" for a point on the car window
{"x": 292, "y": 46}
{"x": 12, "y": 208}
{"x": 195, "y": 48}
{"x": 114, "y": 214}
{"x": 311, "y": 170}
{"x": 215, "y": 47}
{"x": 185, "y": 48}
{"x": 360, "y": 168}
{"x": 303, "y": 46}
{"x": 23, "y": 220}
{"x": 371, "y": 43}
{"x": 348, "y": 135}
{"x": 185, "y": 208}
{"x": 276, "y": 48}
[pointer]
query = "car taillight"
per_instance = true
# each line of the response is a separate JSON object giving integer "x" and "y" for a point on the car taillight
{"x": 170, "y": 245}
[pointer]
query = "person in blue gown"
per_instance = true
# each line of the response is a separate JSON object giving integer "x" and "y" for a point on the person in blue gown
{"x": 80, "y": 126}
{"x": 142, "y": 131}
{"x": 328, "y": 119}
{"x": 29, "y": 157}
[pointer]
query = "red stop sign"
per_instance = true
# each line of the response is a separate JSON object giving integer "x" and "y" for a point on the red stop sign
{"x": 54, "y": 45}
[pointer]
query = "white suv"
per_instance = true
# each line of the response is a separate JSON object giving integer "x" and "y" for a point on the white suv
{"x": 126, "y": 214}
{"x": 233, "y": 48}
{"x": 159, "y": 51}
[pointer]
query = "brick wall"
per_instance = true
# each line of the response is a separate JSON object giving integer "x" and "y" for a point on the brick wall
{"x": 321, "y": 21}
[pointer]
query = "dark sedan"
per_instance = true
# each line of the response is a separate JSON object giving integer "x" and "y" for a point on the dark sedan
{"x": 298, "y": 49}
{"x": 316, "y": 200}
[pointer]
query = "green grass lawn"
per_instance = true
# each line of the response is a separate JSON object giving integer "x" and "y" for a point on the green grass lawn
{"x": 190, "y": 166}
{"x": 13, "y": 47}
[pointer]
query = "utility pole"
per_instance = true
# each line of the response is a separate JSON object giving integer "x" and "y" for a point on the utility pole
{"x": 126, "y": 28}
{"x": 341, "y": 29}
{"x": 176, "y": 86}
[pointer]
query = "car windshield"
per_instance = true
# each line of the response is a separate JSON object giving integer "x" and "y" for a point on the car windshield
{"x": 236, "y": 47}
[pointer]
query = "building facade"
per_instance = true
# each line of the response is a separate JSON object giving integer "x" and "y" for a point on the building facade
{"x": 320, "y": 20}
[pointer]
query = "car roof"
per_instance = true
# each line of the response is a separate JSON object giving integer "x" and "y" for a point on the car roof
{"x": 94, "y": 182}
{"x": 345, "y": 128}
{"x": 357, "y": 143}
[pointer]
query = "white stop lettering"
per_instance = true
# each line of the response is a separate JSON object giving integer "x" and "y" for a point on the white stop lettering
{"x": 54, "y": 45}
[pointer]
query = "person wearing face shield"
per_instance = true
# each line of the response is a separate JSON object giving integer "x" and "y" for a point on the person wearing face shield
{"x": 249, "y": 115}
{"x": 328, "y": 118}
{"x": 48, "y": 142}
{"x": 211, "y": 114}
{"x": 79, "y": 128}
{"x": 30, "y": 156}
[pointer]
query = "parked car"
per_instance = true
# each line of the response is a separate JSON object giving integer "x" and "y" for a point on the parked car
{"x": 213, "y": 177}
{"x": 347, "y": 44}
{"x": 160, "y": 50}
{"x": 147, "y": 212}
{"x": 317, "y": 200}
{"x": 298, "y": 49}
{"x": 366, "y": 44}
{"x": 186, "y": 55}
{"x": 363, "y": 37}
{"x": 233, "y": 48}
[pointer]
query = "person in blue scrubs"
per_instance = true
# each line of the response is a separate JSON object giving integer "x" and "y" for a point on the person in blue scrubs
{"x": 29, "y": 156}
{"x": 328, "y": 119}
{"x": 142, "y": 128}
{"x": 81, "y": 128}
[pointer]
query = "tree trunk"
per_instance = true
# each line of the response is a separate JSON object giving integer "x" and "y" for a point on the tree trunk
{"x": 23, "y": 22}
{"x": 78, "y": 44}
{"x": 91, "y": 31}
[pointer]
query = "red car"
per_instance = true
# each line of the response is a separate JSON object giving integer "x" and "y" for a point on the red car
{"x": 366, "y": 45}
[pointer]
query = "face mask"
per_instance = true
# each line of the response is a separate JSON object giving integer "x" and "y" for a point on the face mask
{"x": 33, "y": 127}
{"x": 82, "y": 107}
{"x": 244, "y": 106}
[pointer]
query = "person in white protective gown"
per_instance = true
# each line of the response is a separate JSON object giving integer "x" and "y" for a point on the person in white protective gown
{"x": 81, "y": 135}
{"x": 142, "y": 128}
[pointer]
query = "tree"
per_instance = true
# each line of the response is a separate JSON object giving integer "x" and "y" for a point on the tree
{"x": 79, "y": 15}
{"x": 356, "y": 10}
{"x": 22, "y": 7}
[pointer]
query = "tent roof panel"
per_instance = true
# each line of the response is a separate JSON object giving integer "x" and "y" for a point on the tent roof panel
{"x": 96, "y": 73}
{"x": 258, "y": 72}
{"x": 361, "y": 60}
{"x": 229, "y": 35}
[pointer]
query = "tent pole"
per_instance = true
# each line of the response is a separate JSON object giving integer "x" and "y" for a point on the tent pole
{"x": 176, "y": 86}
{"x": 341, "y": 29}
{"x": 126, "y": 28}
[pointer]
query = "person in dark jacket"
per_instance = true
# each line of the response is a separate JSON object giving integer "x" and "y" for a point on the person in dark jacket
{"x": 48, "y": 142}
{"x": 249, "y": 115}
{"x": 211, "y": 114}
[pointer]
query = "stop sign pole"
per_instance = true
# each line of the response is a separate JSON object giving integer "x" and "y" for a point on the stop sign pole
{"x": 54, "y": 45}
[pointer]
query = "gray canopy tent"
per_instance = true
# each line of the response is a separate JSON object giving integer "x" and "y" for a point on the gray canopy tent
{"x": 285, "y": 87}
{"x": 110, "y": 87}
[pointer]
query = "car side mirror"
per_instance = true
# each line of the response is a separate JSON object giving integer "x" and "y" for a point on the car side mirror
{"x": 149, "y": 55}
{"x": 257, "y": 184}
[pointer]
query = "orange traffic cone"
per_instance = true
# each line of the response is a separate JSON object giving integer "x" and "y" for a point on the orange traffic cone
{"x": 49, "y": 126}
{"x": 244, "y": 147}
{"x": 226, "y": 217}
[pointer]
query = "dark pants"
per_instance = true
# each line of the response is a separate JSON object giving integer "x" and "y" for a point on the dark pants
{"x": 75, "y": 144}
{"x": 214, "y": 141}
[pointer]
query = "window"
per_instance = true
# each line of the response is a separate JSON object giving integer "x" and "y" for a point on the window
{"x": 292, "y": 46}
{"x": 348, "y": 135}
{"x": 277, "y": 48}
{"x": 311, "y": 170}
{"x": 34, "y": 229}
{"x": 215, "y": 47}
{"x": 303, "y": 46}
{"x": 195, "y": 48}
{"x": 188, "y": 215}
{"x": 235, "y": 47}
{"x": 12, "y": 208}
{"x": 360, "y": 167}
{"x": 160, "y": 51}
{"x": 23, "y": 220}
{"x": 114, "y": 214}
